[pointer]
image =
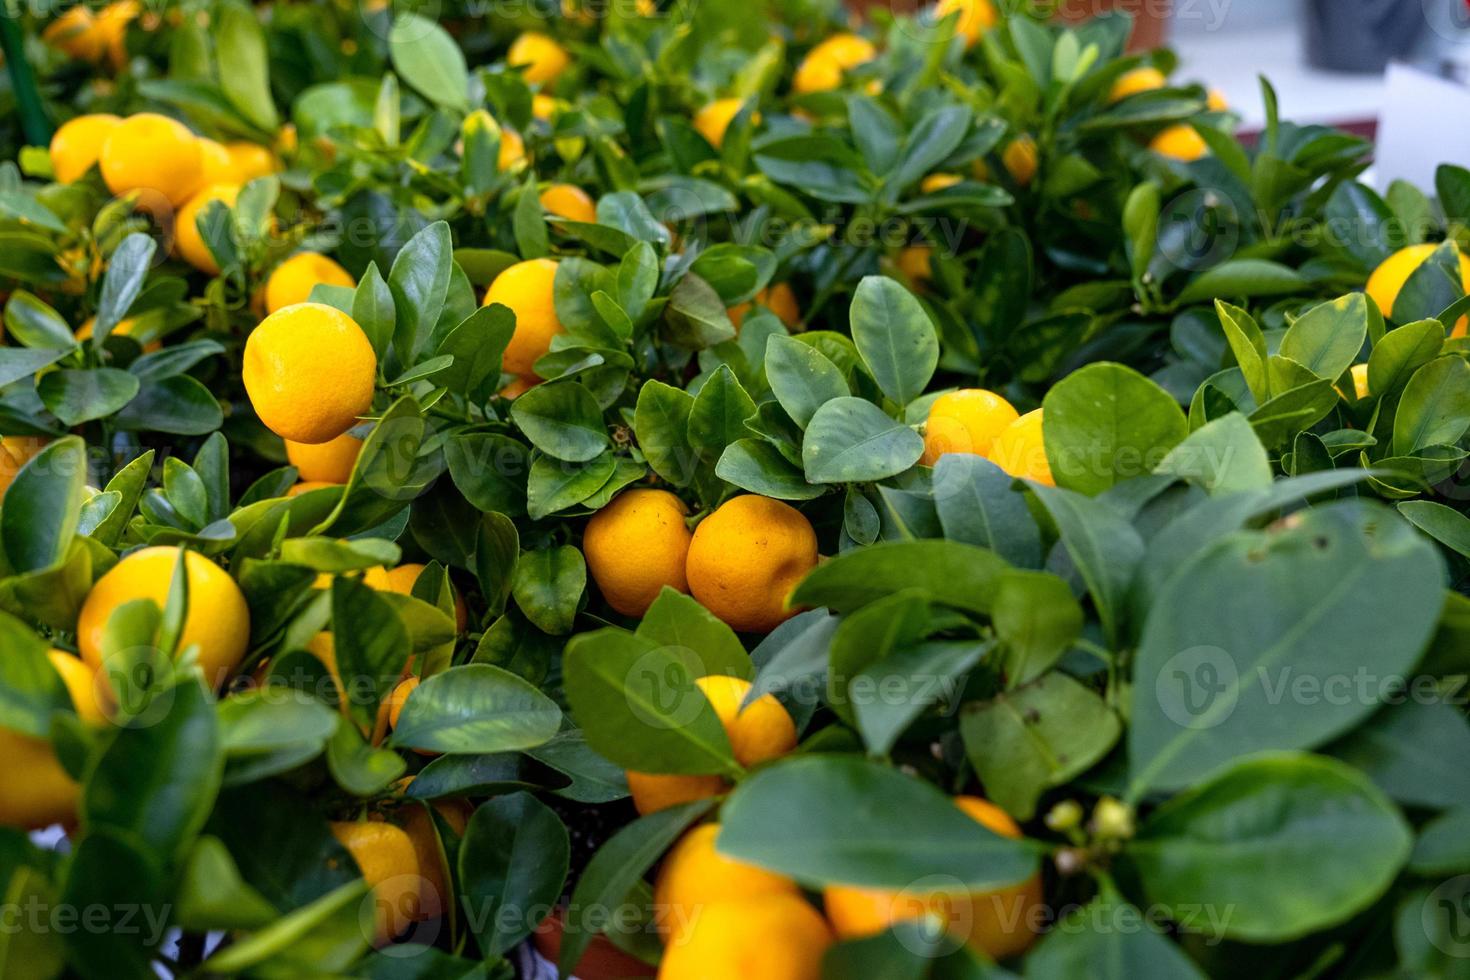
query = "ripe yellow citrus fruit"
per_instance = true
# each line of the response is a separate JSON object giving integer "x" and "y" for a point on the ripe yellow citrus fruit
{"x": 112, "y": 28}
{"x": 512, "y": 150}
{"x": 775, "y": 937}
{"x": 82, "y": 684}
{"x": 823, "y": 67}
{"x": 538, "y": 56}
{"x": 569, "y": 201}
{"x": 218, "y": 167}
{"x": 419, "y": 826}
{"x": 937, "y": 182}
{"x": 74, "y": 34}
{"x": 218, "y": 621}
{"x": 398, "y": 697}
{"x": 778, "y": 297}
{"x": 39, "y": 792}
{"x": 694, "y": 876}
{"x": 1000, "y": 923}
{"x": 976, "y": 17}
{"x": 1216, "y": 100}
{"x": 1181, "y": 142}
{"x": 187, "y": 238}
{"x": 325, "y": 462}
{"x": 1359, "y": 376}
{"x": 15, "y": 453}
{"x": 746, "y": 558}
{"x": 251, "y": 160}
{"x": 713, "y": 119}
{"x": 78, "y": 142}
{"x": 1142, "y": 79}
{"x": 916, "y": 263}
{"x": 528, "y": 289}
{"x": 965, "y": 421}
{"x": 757, "y": 732}
{"x": 635, "y": 546}
{"x": 1021, "y": 158}
{"x": 1391, "y": 275}
{"x": 544, "y": 107}
{"x": 1019, "y": 450}
{"x": 291, "y": 282}
{"x": 309, "y": 371}
{"x": 389, "y": 864}
{"x": 152, "y": 152}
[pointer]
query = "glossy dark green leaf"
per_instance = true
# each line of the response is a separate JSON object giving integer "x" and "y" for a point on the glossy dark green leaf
{"x": 474, "y": 710}
{"x": 894, "y": 336}
{"x": 512, "y": 866}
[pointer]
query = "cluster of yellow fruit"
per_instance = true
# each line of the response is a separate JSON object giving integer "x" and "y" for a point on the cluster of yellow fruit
{"x": 980, "y": 422}
{"x": 724, "y": 919}
{"x": 741, "y": 562}
{"x": 78, "y": 33}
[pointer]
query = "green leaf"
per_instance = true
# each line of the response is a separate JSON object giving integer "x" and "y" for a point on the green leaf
{"x": 1249, "y": 346}
{"x": 561, "y": 419}
{"x": 428, "y": 59}
{"x": 77, "y": 396}
{"x": 1109, "y": 939}
{"x": 678, "y": 621}
{"x": 1409, "y": 750}
{"x": 244, "y": 74}
{"x": 1107, "y": 423}
{"x": 895, "y": 337}
{"x": 157, "y": 781}
{"x": 512, "y": 866}
{"x": 1443, "y": 847}
{"x": 1435, "y": 408}
{"x": 1038, "y": 736}
{"x": 695, "y": 316}
{"x": 1334, "y": 844}
{"x": 42, "y": 506}
{"x": 850, "y": 440}
{"x": 127, "y": 268}
{"x": 1106, "y": 549}
{"x": 951, "y": 573}
{"x": 419, "y": 283}
{"x": 30, "y": 321}
{"x": 30, "y": 688}
{"x": 978, "y": 504}
{"x": 555, "y": 484}
{"x": 1327, "y": 338}
{"x": 371, "y": 647}
{"x": 356, "y": 766}
{"x": 1243, "y": 278}
{"x": 1036, "y": 619}
{"x": 1244, "y": 645}
{"x": 212, "y": 895}
{"x": 1444, "y": 524}
{"x": 801, "y": 377}
{"x": 1400, "y": 353}
{"x": 830, "y": 819}
{"x": 661, "y": 424}
{"x": 719, "y": 413}
{"x": 490, "y": 470}
{"x": 759, "y": 467}
{"x": 180, "y": 405}
{"x": 638, "y": 705}
{"x": 548, "y": 586}
{"x": 474, "y": 710}
{"x": 1222, "y": 456}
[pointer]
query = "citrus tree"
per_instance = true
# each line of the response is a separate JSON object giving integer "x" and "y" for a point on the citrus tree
{"x": 707, "y": 490}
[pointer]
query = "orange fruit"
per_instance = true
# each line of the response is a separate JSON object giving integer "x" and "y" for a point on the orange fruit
{"x": 1145, "y": 78}
{"x": 390, "y": 865}
{"x": 433, "y": 867}
{"x": 152, "y": 152}
{"x": 540, "y": 58}
{"x": 188, "y": 240}
{"x": 1021, "y": 157}
{"x": 778, "y": 297}
{"x": 218, "y": 620}
{"x": 694, "y": 876}
{"x": 976, "y": 17}
{"x": 1181, "y": 142}
{"x": 251, "y": 160}
{"x": 569, "y": 201}
{"x": 713, "y": 119}
{"x": 635, "y": 546}
{"x": 309, "y": 371}
{"x": 528, "y": 289}
{"x": 916, "y": 263}
{"x": 77, "y": 144}
{"x": 823, "y": 67}
{"x": 291, "y": 282}
{"x": 15, "y": 453}
{"x": 74, "y": 33}
{"x": 774, "y": 937}
{"x": 965, "y": 421}
{"x": 1020, "y": 451}
{"x": 325, "y": 462}
{"x": 747, "y": 557}
{"x": 1391, "y": 275}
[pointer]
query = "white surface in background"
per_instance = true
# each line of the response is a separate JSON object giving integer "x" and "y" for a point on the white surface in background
{"x": 1231, "y": 61}
{"x": 1423, "y": 125}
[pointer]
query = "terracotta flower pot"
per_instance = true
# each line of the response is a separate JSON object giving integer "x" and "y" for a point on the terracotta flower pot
{"x": 602, "y": 961}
